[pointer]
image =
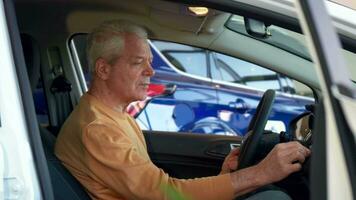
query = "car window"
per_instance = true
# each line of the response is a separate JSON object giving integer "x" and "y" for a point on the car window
{"x": 78, "y": 49}
{"x": 234, "y": 70}
{"x": 221, "y": 67}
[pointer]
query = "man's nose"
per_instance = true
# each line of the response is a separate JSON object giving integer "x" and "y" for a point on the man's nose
{"x": 149, "y": 71}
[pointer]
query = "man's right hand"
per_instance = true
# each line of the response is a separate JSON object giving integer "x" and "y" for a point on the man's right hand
{"x": 284, "y": 159}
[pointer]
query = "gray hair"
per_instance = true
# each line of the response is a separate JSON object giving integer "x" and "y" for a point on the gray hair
{"x": 107, "y": 40}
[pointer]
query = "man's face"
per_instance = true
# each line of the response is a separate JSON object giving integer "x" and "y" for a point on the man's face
{"x": 129, "y": 76}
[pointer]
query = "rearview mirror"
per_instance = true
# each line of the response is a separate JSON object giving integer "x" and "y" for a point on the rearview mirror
{"x": 256, "y": 28}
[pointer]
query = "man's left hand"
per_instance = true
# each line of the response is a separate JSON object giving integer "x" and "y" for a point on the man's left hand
{"x": 230, "y": 162}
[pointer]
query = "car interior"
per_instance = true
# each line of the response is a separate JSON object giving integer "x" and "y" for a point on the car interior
{"x": 47, "y": 27}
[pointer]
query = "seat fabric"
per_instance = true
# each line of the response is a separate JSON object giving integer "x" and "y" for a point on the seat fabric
{"x": 65, "y": 186}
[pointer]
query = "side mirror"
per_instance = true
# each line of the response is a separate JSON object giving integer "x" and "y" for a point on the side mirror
{"x": 169, "y": 89}
{"x": 154, "y": 91}
{"x": 158, "y": 90}
{"x": 240, "y": 106}
{"x": 256, "y": 28}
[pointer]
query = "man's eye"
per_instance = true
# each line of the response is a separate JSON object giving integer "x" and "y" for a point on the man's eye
{"x": 137, "y": 62}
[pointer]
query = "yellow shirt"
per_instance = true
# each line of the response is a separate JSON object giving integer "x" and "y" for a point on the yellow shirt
{"x": 106, "y": 151}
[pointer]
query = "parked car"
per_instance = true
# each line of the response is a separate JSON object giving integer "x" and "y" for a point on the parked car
{"x": 36, "y": 45}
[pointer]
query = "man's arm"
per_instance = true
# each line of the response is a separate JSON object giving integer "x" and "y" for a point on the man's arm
{"x": 114, "y": 159}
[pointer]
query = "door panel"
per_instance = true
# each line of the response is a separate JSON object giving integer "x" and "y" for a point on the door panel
{"x": 187, "y": 155}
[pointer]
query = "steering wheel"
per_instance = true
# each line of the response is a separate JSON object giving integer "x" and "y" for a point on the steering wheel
{"x": 255, "y": 130}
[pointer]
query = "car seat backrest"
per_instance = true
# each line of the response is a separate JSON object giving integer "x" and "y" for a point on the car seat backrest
{"x": 65, "y": 186}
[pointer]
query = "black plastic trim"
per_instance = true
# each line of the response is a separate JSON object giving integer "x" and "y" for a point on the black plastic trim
{"x": 318, "y": 173}
{"x": 348, "y": 43}
{"x": 28, "y": 104}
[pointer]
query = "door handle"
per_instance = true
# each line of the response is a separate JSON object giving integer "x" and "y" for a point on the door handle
{"x": 221, "y": 149}
{"x": 234, "y": 145}
{"x": 239, "y": 105}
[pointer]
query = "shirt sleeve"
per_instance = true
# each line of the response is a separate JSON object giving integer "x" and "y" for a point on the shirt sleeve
{"x": 112, "y": 157}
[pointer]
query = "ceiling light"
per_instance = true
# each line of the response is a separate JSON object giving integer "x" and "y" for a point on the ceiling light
{"x": 199, "y": 11}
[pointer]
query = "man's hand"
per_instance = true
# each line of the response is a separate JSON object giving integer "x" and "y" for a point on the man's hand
{"x": 230, "y": 162}
{"x": 284, "y": 159}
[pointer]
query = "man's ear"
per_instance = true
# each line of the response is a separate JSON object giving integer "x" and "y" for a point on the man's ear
{"x": 102, "y": 69}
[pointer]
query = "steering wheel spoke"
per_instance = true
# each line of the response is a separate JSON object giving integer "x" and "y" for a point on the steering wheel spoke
{"x": 255, "y": 129}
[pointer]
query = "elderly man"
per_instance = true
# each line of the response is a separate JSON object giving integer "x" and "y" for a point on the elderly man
{"x": 103, "y": 147}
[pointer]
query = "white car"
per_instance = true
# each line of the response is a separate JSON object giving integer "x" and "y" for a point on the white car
{"x": 38, "y": 50}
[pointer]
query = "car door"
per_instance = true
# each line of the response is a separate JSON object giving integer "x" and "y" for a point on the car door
{"x": 334, "y": 173}
{"x": 23, "y": 169}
